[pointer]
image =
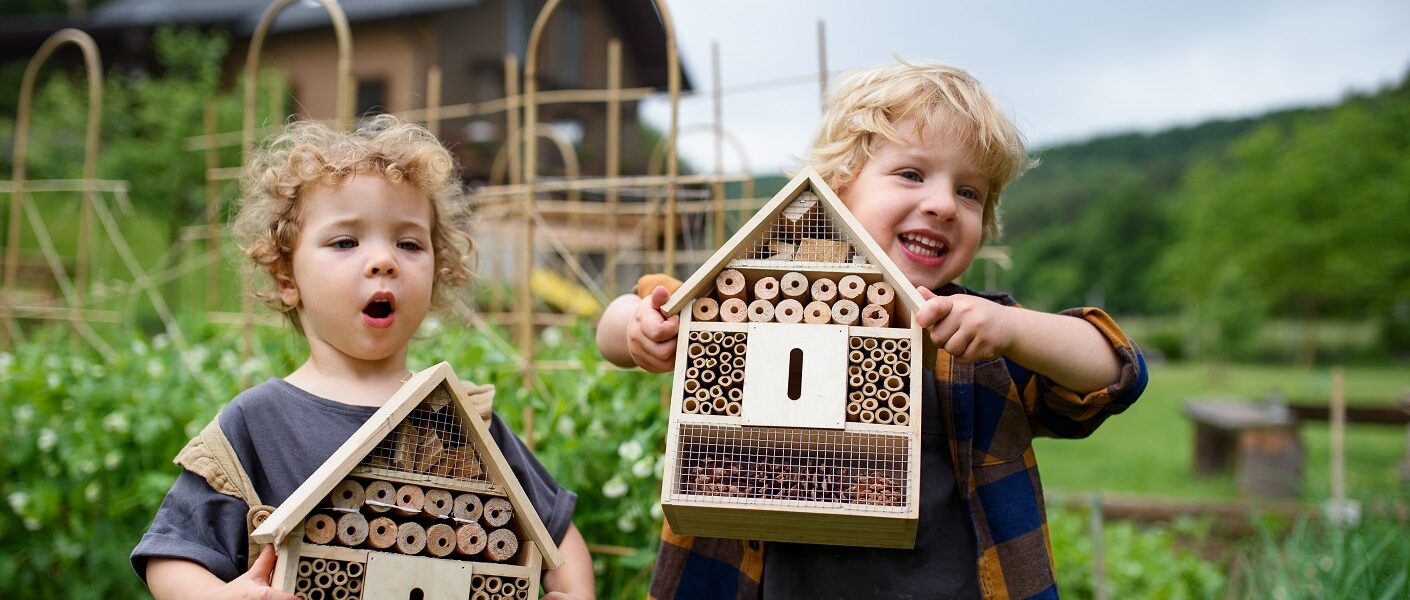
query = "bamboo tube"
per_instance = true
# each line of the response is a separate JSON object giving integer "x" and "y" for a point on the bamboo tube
{"x": 888, "y": 346}
{"x": 319, "y": 565}
{"x": 319, "y": 529}
{"x": 884, "y": 370}
{"x": 382, "y": 493}
{"x": 498, "y": 511}
{"x": 695, "y": 350}
{"x": 702, "y": 395}
{"x": 739, "y": 350}
{"x": 793, "y": 285}
{"x": 869, "y": 403}
{"x": 305, "y": 568}
{"x": 690, "y": 406}
{"x": 340, "y": 593}
{"x": 729, "y": 284}
{"x": 902, "y": 369}
{"x": 854, "y": 343}
{"x": 719, "y": 405}
{"x": 898, "y": 402}
{"x": 761, "y": 311}
{"x": 521, "y": 583}
{"x": 692, "y": 373}
{"x": 411, "y": 538}
{"x": 882, "y": 395}
{"x": 381, "y": 533}
{"x": 480, "y": 595}
{"x": 304, "y": 582}
{"x": 893, "y": 383}
{"x": 875, "y": 315}
{"x": 844, "y": 312}
{"x": 352, "y": 529}
{"x": 470, "y": 539}
{"x": 354, "y": 570}
{"x": 738, "y": 359}
{"x": 322, "y": 580}
{"x": 411, "y": 498}
{"x": 502, "y": 545}
{"x": 788, "y": 311}
{"x": 903, "y": 345}
{"x": 316, "y": 594}
{"x": 855, "y": 357}
{"x": 867, "y": 416}
{"x": 467, "y": 507}
{"x": 440, "y": 540}
{"x": 712, "y": 349}
{"x": 438, "y": 502}
{"x": 817, "y": 312}
{"x": 477, "y": 582}
{"x": 734, "y": 394}
{"x": 705, "y": 309}
{"x": 725, "y": 381}
{"x": 766, "y": 289}
{"x": 869, "y": 344}
{"x": 900, "y": 419}
{"x": 340, "y": 577}
{"x": 869, "y": 366}
{"x": 355, "y": 585}
{"x": 347, "y": 494}
{"x": 855, "y": 397}
{"x": 854, "y": 408}
{"x": 883, "y": 415}
{"x": 824, "y": 289}
{"x": 691, "y": 385}
{"x": 881, "y": 294}
{"x": 726, "y": 367}
{"x": 852, "y": 287}
{"x": 492, "y": 585}
{"x": 856, "y": 381}
{"x": 733, "y": 310}
{"x": 707, "y": 376}
{"x": 869, "y": 390}
{"x": 718, "y": 337}
{"x": 733, "y": 409}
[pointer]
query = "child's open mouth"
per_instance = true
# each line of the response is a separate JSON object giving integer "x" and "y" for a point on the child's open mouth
{"x": 380, "y": 310}
{"x": 923, "y": 248}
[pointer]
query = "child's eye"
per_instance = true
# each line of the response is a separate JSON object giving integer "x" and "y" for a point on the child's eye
{"x": 911, "y": 175}
{"x": 971, "y": 194}
{"x": 344, "y": 243}
{"x": 412, "y": 245}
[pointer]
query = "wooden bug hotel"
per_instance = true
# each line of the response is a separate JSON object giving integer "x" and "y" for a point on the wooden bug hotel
{"x": 418, "y": 503}
{"x": 795, "y": 410}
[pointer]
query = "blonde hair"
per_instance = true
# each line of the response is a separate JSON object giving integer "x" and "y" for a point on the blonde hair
{"x": 308, "y": 154}
{"x": 866, "y": 105}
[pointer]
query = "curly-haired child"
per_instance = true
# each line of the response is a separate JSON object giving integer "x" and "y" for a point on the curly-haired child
{"x": 361, "y": 234}
{"x": 919, "y": 153}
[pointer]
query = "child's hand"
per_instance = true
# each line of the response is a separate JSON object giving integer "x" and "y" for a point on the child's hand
{"x": 651, "y": 337}
{"x": 254, "y": 584}
{"x": 970, "y": 328}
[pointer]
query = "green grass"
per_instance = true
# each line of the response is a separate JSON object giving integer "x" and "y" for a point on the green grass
{"x": 1148, "y": 450}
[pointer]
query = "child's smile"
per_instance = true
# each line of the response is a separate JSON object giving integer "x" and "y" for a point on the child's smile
{"x": 922, "y": 200}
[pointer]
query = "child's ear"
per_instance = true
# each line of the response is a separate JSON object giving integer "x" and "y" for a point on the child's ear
{"x": 286, "y": 286}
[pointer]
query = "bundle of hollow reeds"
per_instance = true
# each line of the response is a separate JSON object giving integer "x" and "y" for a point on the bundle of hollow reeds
{"x": 328, "y": 579}
{"x": 793, "y": 298}
{"x": 714, "y": 381}
{"x": 878, "y": 376}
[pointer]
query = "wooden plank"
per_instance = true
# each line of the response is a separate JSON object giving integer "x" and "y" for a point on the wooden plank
{"x": 359, "y": 445}
{"x": 499, "y": 470}
{"x": 397, "y": 576}
{"x": 334, "y": 552}
{"x": 716, "y": 325}
{"x": 505, "y": 570}
{"x": 286, "y": 572}
{"x": 781, "y": 524}
{"x": 895, "y": 333}
{"x": 807, "y": 267}
{"x": 1376, "y": 415}
{"x": 796, "y": 376}
{"x": 458, "y": 485}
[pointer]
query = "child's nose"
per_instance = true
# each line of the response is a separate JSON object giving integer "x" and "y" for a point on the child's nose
{"x": 382, "y": 265}
{"x": 941, "y": 203}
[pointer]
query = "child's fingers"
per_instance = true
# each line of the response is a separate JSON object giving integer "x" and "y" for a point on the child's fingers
{"x": 935, "y": 309}
{"x": 263, "y": 569}
{"x": 661, "y": 330}
{"x": 961, "y": 345}
{"x": 659, "y": 296}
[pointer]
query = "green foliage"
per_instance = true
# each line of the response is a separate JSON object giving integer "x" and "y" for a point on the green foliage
{"x": 1140, "y": 561}
{"x": 1315, "y": 560}
{"x": 88, "y": 444}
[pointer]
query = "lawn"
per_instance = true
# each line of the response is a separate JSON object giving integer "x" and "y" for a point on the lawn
{"x": 1148, "y": 450}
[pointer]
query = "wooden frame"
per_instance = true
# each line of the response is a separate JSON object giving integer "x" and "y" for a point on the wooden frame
{"x": 795, "y": 476}
{"x": 393, "y": 572}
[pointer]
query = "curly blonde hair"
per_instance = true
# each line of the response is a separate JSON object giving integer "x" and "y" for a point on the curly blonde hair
{"x": 866, "y": 105}
{"x": 310, "y": 153}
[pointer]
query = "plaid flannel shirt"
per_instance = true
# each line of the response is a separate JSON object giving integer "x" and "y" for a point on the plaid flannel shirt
{"x": 992, "y": 411}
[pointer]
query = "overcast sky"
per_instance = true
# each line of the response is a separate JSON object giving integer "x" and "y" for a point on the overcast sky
{"x": 1065, "y": 71}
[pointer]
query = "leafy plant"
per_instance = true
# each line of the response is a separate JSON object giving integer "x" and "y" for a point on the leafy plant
{"x": 1315, "y": 560}
{"x": 1140, "y": 561}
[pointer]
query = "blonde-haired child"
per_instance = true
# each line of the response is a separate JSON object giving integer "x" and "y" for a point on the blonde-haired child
{"x": 920, "y": 153}
{"x": 360, "y": 234}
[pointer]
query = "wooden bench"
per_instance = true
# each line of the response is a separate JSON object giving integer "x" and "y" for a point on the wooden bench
{"x": 1259, "y": 441}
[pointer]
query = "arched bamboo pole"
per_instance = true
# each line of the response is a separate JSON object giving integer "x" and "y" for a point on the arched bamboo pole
{"x": 343, "y": 98}
{"x": 94, "y": 70}
{"x": 653, "y": 166}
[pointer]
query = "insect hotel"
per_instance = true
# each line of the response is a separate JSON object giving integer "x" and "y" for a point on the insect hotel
{"x": 419, "y": 503}
{"x": 795, "y": 410}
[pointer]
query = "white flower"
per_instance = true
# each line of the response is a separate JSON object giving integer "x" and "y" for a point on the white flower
{"x": 18, "y": 501}
{"x": 53, "y": 380}
{"x": 552, "y": 336}
{"x": 160, "y": 342}
{"x": 6, "y": 359}
{"x": 642, "y": 468}
{"x": 614, "y": 488}
{"x": 656, "y": 510}
{"x": 47, "y": 439}
{"x": 91, "y": 492}
{"x": 228, "y": 361}
{"x": 31, "y": 524}
{"x": 155, "y": 369}
{"x": 629, "y": 450}
{"x": 139, "y": 348}
{"x": 626, "y": 523}
{"x": 112, "y": 459}
{"x": 88, "y": 467}
{"x": 23, "y": 413}
{"x": 566, "y": 426}
{"x": 115, "y": 422}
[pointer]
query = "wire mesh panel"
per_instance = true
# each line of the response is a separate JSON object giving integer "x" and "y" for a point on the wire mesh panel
{"x": 431, "y": 441}
{"x": 864, "y": 471}
{"x": 804, "y": 232}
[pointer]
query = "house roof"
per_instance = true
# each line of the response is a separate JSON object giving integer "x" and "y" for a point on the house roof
{"x": 378, "y": 428}
{"x": 699, "y": 282}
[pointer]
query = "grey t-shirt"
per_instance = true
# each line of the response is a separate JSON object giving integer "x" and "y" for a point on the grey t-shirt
{"x": 942, "y": 564}
{"x": 282, "y": 434}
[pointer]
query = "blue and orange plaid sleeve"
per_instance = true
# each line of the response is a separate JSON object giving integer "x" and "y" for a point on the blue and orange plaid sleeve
{"x": 1055, "y": 411}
